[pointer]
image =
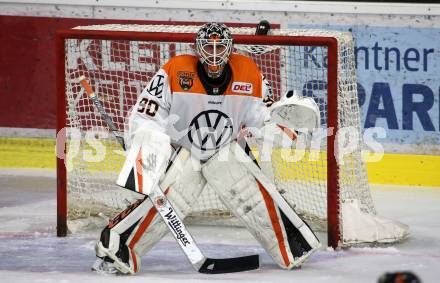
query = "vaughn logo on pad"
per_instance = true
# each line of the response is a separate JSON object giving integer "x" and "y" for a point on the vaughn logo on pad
{"x": 242, "y": 87}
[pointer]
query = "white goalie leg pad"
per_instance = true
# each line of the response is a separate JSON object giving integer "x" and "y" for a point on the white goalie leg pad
{"x": 245, "y": 196}
{"x": 135, "y": 231}
{"x": 182, "y": 185}
{"x": 112, "y": 245}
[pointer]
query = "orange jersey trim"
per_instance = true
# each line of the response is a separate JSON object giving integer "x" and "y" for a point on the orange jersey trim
{"x": 244, "y": 70}
{"x": 183, "y": 67}
{"x": 246, "y": 77}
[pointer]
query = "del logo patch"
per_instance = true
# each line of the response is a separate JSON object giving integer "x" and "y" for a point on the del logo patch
{"x": 241, "y": 87}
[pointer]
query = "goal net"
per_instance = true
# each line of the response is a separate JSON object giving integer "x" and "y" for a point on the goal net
{"x": 118, "y": 61}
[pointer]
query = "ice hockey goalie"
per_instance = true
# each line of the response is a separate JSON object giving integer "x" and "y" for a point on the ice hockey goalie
{"x": 199, "y": 104}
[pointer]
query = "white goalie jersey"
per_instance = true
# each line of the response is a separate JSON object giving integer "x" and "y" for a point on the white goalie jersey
{"x": 180, "y": 102}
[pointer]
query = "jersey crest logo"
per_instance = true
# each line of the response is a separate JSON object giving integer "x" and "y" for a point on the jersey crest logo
{"x": 242, "y": 87}
{"x": 156, "y": 86}
{"x": 210, "y": 130}
{"x": 186, "y": 80}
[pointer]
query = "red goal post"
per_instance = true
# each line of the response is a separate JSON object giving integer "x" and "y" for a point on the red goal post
{"x": 157, "y": 37}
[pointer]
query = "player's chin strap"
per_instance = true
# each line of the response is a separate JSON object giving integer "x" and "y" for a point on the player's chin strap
{"x": 201, "y": 263}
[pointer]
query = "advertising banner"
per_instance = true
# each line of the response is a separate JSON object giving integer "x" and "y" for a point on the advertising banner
{"x": 398, "y": 81}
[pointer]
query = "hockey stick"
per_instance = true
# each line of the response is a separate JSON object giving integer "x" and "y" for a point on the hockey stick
{"x": 200, "y": 263}
{"x": 101, "y": 110}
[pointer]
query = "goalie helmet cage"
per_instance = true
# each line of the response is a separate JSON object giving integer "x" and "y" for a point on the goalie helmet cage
{"x": 118, "y": 61}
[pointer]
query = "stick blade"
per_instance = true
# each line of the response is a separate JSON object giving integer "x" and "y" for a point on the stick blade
{"x": 229, "y": 265}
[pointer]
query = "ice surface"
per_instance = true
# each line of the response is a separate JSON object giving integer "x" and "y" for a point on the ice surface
{"x": 30, "y": 251}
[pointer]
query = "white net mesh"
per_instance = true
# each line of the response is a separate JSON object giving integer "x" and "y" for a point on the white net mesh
{"x": 119, "y": 69}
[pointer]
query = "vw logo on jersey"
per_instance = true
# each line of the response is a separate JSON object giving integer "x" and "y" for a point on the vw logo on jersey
{"x": 156, "y": 86}
{"x": 210, "y": 130}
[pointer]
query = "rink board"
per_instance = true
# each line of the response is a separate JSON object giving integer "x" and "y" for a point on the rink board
{"x": 395, "y": 169}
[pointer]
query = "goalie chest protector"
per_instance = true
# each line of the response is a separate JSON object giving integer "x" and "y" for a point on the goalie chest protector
{"x": 203, "y": 122}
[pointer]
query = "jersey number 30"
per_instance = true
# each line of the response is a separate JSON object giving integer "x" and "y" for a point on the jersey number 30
{"x": 148, "y": 107}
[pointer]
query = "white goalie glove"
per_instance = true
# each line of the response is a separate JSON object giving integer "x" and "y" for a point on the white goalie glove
{"x": 295, "y": 112}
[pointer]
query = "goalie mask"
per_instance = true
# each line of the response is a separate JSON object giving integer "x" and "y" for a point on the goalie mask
{"x": 214, "y": 46}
